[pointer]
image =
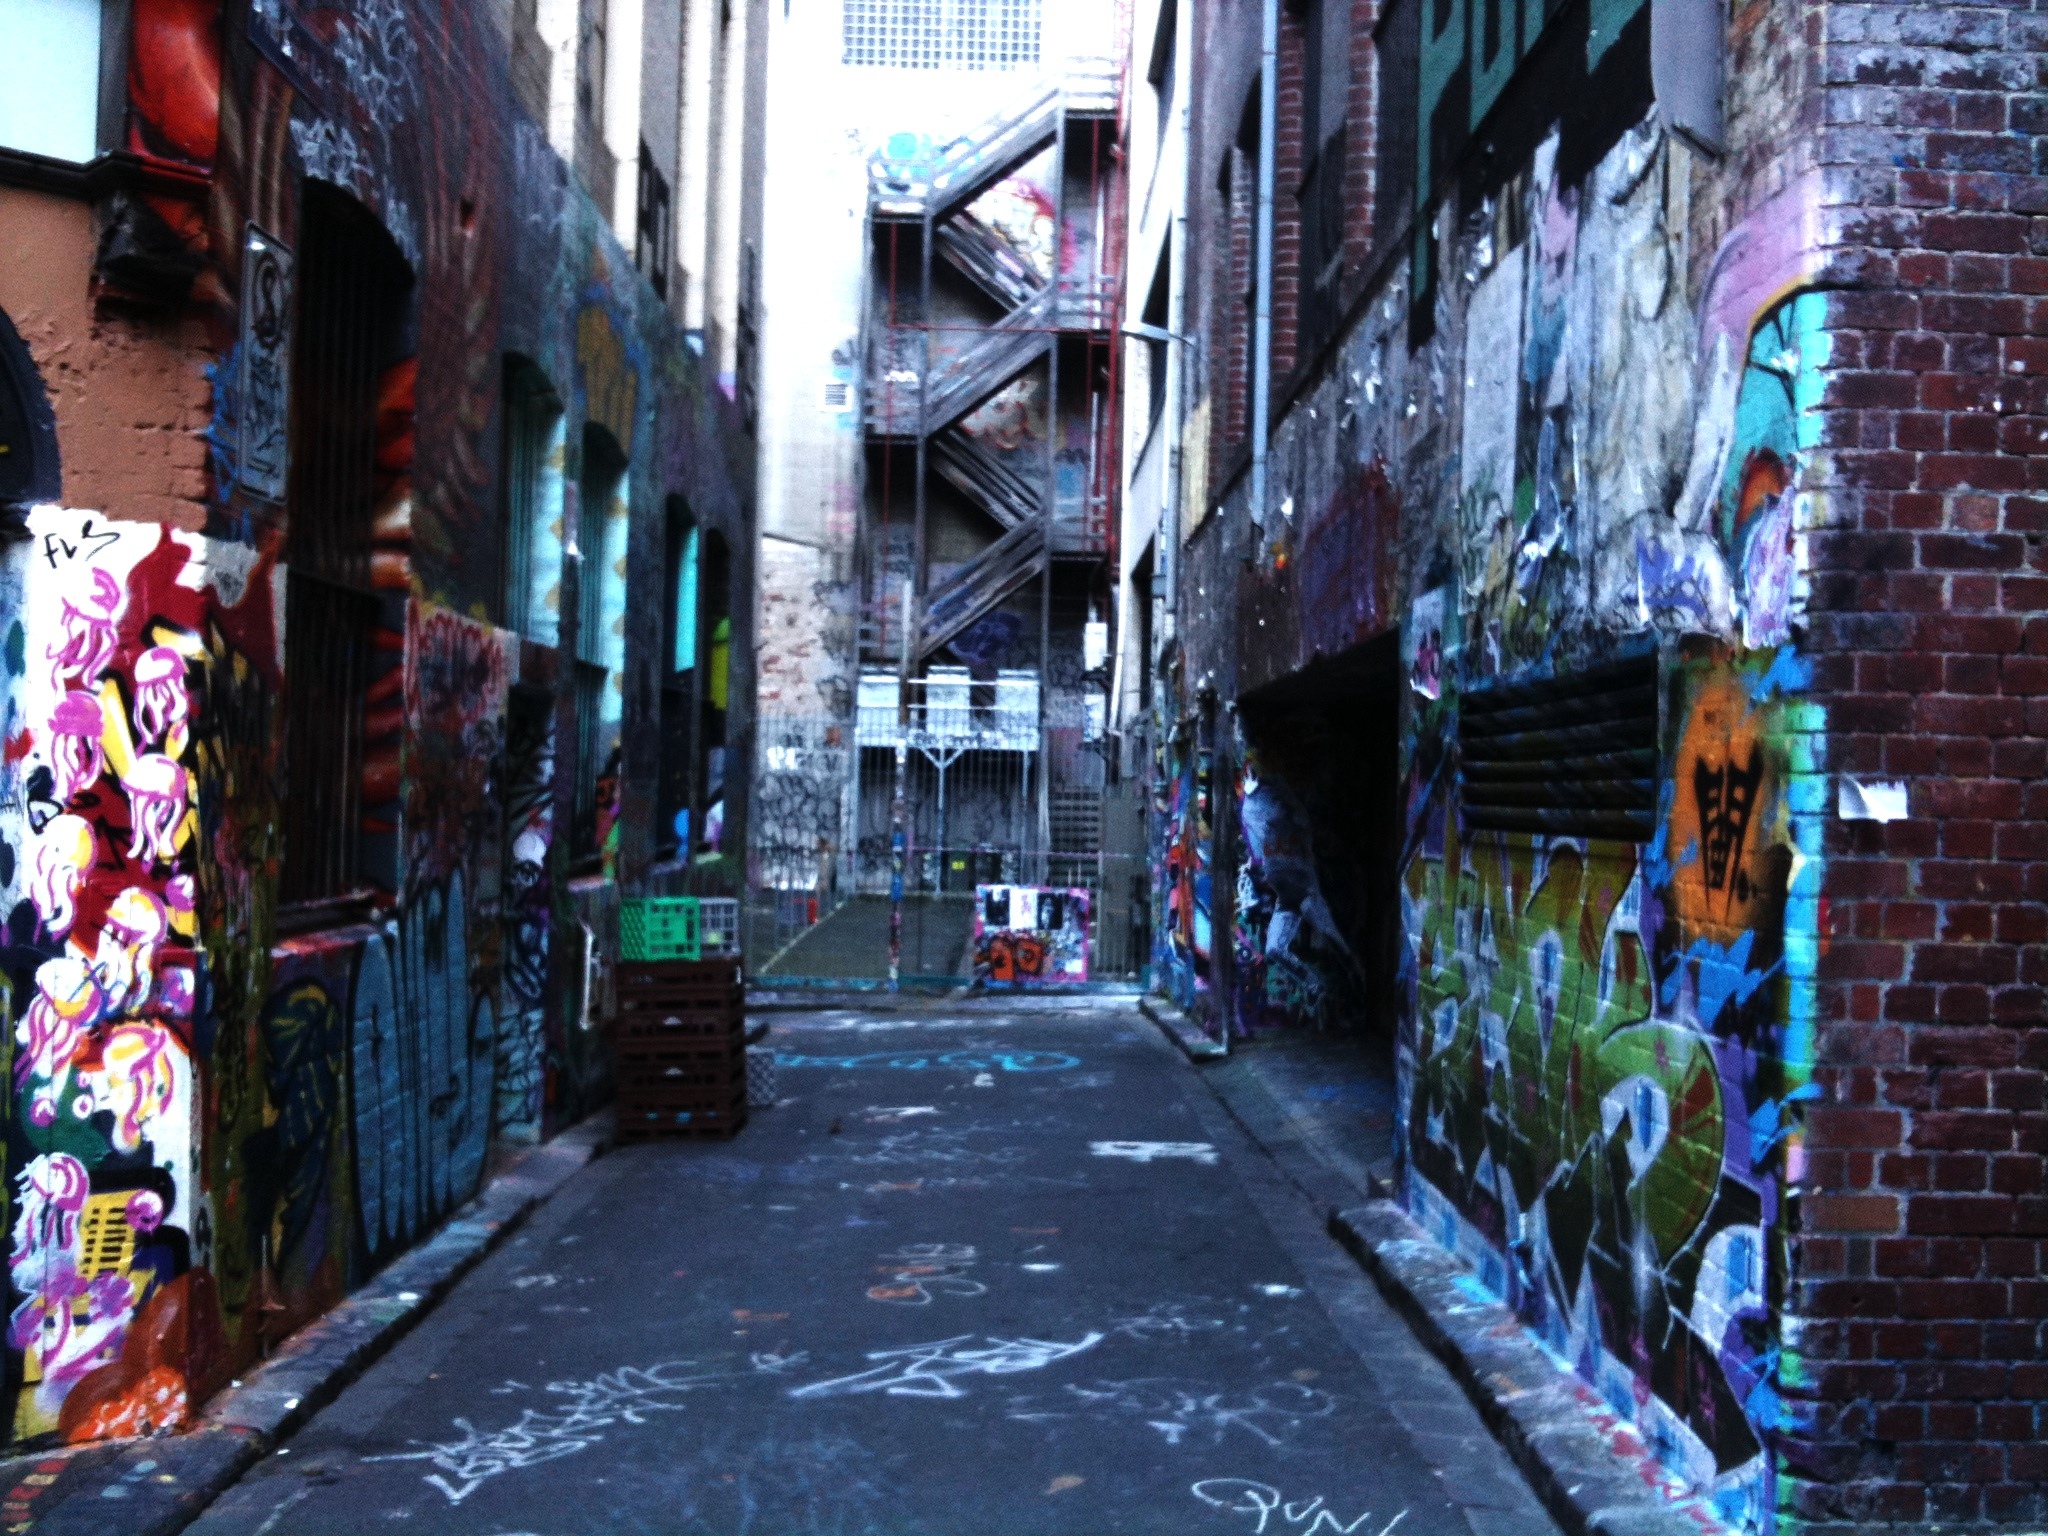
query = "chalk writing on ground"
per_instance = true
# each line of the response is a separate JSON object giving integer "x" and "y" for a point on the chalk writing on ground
{"x": 919, "y": 1271}
{"x": 1297, "y": 1517}
{"x": 1178, "y": 1408}
{"x": 931, "y": 1370}
{"x": 1154, "y": 1151}
{"x": 574, "y": 1421}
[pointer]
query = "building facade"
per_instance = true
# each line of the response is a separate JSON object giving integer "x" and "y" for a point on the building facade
{"x": 1598, "y": 578}
{"x": 940, "y": 395}
{"x": 376, "y": 523}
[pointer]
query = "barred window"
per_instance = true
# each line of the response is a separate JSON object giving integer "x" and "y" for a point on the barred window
{"x": 940, "y": 34}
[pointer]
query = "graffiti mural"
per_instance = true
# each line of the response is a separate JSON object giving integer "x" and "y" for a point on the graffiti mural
{"x": 1293, "y": 965}
{"x": 1029, "y": 935}
{"x": 1183, "y": 822}
{"x": 107, "y": 659}
{"x": 1604, "y": 1044}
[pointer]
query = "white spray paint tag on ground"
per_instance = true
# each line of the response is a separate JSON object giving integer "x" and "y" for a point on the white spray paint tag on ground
{"x": 984, "y": 1080}
{"x": 1152, "y": 1151}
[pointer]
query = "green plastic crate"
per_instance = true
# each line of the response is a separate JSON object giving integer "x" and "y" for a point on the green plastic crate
{"x": 655, "y": 928}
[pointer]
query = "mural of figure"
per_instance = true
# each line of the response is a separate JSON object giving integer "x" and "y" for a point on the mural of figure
{"x": 68, "y": 1002}
{"x": 159, "y": 796}
{"x": 137, "y": 1080}
{"x": 68, "y": 1324}
{"x": 161, "y": 702}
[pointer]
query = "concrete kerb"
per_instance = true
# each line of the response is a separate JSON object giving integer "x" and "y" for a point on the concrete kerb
{"x": 159, "y": 1486}
{"x": 1181, "y": 1030}
{"x": 1588, "y": 1465}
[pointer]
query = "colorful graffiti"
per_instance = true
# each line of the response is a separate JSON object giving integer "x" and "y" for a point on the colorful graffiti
{"x": 108, "y": 663}
{"x": 1604, "y": 1044}
{"x": 1293, "y": 965}
{"x": 1030, "y": 935}
{"x": 1183, "y": 818}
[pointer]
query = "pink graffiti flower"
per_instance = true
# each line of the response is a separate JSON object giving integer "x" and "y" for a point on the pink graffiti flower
{"x": 64, "y": 852}
{"x": 130, "y": 938}
{"x": 67, "y": 1003}
{"x": 75, "y": 750}
{"x": 91, "y": 631}
{"x": 160, "y": 701}
{"x": 145, "y": 1210}
{"x": 157, "y": 798}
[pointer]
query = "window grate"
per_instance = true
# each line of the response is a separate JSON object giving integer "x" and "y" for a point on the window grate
{"x": 352, "y": 285}
{"x": 529, "y": 412}
{"x": 1574, "y": 755}
{"x": 652, "y": 222}
{"x": 940, "y": 34}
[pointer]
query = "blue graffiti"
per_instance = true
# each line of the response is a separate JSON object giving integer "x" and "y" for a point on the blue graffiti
{"x": 917, "y": 1061}
{"x": 1722, "y": 975}
{"x": 1788, "y": 672}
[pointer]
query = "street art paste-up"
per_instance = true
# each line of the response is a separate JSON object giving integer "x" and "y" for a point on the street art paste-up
{"x": 1604, "y": 1044}
{"x": 1030, "y": 935}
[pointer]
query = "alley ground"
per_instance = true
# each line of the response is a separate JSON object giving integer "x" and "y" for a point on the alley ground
{"x": 981, "y": 1272}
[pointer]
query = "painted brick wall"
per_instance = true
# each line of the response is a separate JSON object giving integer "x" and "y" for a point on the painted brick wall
{"x": 1923, "y": 1222}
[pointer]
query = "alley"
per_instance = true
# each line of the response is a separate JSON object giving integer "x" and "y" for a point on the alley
{"x": 982, "y": 1271}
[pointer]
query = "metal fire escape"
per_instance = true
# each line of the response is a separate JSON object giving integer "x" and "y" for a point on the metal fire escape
{"x": 922, "y": 203}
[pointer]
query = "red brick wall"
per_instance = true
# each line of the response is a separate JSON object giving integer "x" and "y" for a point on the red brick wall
{"x": 1923, "y": 1220}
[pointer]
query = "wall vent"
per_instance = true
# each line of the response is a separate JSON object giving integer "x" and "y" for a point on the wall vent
{"x": 1573, "y": 755}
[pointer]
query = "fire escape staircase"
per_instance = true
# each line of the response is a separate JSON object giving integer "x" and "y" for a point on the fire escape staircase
{"x": 938, "y": 188}
{"x": 980, "y": 584}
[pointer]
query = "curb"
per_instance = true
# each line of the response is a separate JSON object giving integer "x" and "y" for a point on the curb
{"x": 157, "y": 1487}
{"x": 1181, "y": 1030}
{"x": 1588, "y": 1465}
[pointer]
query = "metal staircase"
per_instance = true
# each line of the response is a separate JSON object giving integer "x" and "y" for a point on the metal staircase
{"x": 917, "y": 395}
{"x": 984, "y": 479}
{"x": 980, "y": 584}
{"x": 988, "y": 261}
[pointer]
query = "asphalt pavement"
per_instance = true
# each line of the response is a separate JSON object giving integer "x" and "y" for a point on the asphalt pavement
{"x": 997, "y": 1272}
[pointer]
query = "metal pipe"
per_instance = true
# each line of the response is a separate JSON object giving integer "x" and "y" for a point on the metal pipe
{"x": 1167, "y": 562}
{"x": 1262, "y": 316}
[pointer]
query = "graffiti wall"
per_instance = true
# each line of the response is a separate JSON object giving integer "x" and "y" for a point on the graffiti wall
{"x": 1599, "y": 443}
{"x": 1183, "y": 852}
{"x": 1603, "y": 1047}
{"x": 221, "y": 1116}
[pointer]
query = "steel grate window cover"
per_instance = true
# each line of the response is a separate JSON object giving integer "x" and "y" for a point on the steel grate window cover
{"x": 1572, "y": 755}
{"x": 352, "y": 290}
{"x": 940, "y": 34}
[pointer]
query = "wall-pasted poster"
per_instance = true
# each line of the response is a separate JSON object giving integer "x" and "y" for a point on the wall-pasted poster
{"x": 1030, "y": 935}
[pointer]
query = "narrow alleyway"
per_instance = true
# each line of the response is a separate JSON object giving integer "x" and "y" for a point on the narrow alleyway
{"x": 982, "y": 1272}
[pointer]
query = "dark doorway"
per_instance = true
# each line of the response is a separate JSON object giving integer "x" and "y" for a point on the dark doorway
{"x": 1319, "y": 833}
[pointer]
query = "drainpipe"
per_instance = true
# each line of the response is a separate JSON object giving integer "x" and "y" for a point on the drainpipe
{"x": 1262, "y": 317}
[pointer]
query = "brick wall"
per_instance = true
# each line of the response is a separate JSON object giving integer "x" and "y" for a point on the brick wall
{"x": 1287, "y": 172}
{"x": 1361, "y": 127}
{"x": 1922, "y": 1227}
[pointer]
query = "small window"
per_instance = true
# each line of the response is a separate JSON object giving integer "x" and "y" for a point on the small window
{"x": 677, "y": 682}
{"x": 50, "y": 79}
{"x": 1573, "y": 755}
{"x": 599, "y": 594}
{"x": 530, "y": 417}
{"x": 652, "y": 223}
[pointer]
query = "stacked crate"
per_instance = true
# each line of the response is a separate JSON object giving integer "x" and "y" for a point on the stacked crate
{"x": 680, "y": 1035}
